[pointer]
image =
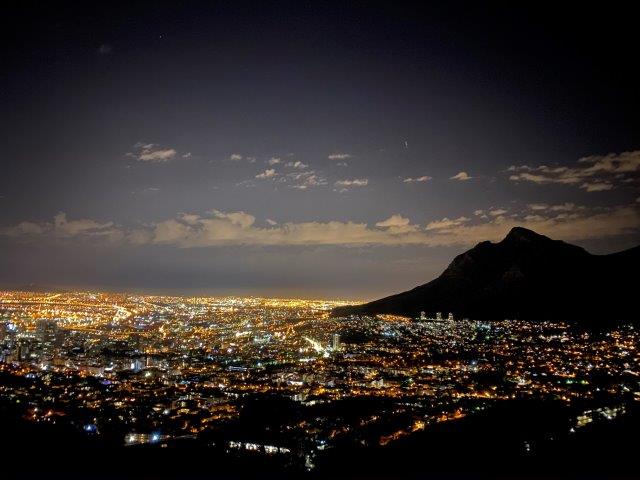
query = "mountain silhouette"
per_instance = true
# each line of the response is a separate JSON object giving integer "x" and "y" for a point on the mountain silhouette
{"x": 525, "y": 276}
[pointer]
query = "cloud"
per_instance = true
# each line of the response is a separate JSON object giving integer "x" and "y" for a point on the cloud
{"x": 152, "y": 153}
{"x": 219, "y": 228}
{"x": 72, "y": 228}
{"x": 398, "y": 225}
{"x": 339, "y": 156}
{"x": 446, "y": 223}
{"x": 596, "y": 186}
{"x": 235, "y": 157}
{"x": 537, "y": 178}
{"x": 563, "y": 207}
{"x": 356, "y": 182}
{"x": 269, "y": 173}
{"x": 24, "y": 229}
{"x": 297, "y": 164}
{"x": 241, "y": 219}
{"x": 615, "y": 221}
{"x": 217, "y": 231}
{"x": 497, "y": 212}
{"x": 597, "y": 173}
{"x": 397, "y": 230}
{"x": 298, "y": 178}
{"x": 461, "y": 176}
{"x": 304, "y": 180}
{"x": 424, "y": 178}
{"x": 538, "y": 206}
{"x": 625, "y": 162}
{"x": 395, "y": 220}
{"x": 187, "y": 155}
{"x": 63, "y": 228}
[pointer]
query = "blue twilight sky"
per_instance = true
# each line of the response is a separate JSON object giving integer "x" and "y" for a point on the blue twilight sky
{"x": 307, "y": 149}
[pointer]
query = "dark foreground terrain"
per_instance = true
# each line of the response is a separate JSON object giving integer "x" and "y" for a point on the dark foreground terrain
{"x": 515, "y": 439}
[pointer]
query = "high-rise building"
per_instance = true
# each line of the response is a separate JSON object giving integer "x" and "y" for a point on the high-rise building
{"x": 47, "y": 335}
{"x": 423, "y": 316}
{"x": 8, "y": 342}
{"x": 335, "y": 342}
{"x": 46, "y": 331}
{"x": 450, "y": 317}
{"x": 137, "y": 365}
{"x": 439, "y": 316}
{"x": 8, "y": 331}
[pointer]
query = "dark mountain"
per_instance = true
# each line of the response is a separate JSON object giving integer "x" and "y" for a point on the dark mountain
{"x": 525, "y": 276}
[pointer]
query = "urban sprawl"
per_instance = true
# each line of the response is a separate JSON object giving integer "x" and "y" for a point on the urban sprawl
{"x": 152, "y": 370}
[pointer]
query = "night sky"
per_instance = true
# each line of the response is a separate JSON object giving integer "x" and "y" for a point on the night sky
{"x": 307, "y": 149}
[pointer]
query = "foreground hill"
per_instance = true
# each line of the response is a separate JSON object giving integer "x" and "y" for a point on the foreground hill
{"x": 525, "y": 276}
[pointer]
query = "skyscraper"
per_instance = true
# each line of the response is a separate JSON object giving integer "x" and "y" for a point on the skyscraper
{"x": 47, "y": 335}
{"x": 3, "y": 331}
{"x": 335, "y": 342}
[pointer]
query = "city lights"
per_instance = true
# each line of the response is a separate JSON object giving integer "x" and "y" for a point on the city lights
{"x": 166, "y": 369}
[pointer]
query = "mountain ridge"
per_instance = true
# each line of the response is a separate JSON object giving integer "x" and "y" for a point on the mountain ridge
{"x": 526, "y": 276}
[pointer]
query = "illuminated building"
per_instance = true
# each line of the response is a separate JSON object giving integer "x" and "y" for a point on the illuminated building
{"x": 3, "y": 331}
{"x": 47, "y": 335}
{"x": 335, "y": 342}
{"x": 137, "y": 365}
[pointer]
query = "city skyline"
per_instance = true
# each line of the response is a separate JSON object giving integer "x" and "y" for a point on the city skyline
{"x": 284, "y": 389}
{"x": 317, "y": 151}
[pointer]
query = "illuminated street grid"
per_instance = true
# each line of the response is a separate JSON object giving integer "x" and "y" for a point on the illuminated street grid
{"x": 153, "y": 370}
